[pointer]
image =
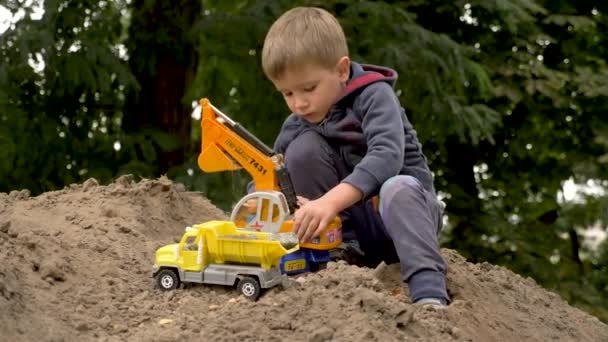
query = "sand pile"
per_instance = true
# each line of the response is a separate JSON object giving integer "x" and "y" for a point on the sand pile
{"x": 76, "y": 265}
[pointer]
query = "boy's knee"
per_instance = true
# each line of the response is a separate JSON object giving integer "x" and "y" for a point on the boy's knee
{"x": 408, "y": 188}
{"x": 307, "y": 148}
{"x": 410, "y": 184}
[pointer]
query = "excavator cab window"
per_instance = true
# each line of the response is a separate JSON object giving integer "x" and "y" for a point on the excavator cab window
{"x": 275, "y": 213}
{"x": 270, "y": 211}
{"x": 246, "y": 214}
{"x": 265, "y": 214}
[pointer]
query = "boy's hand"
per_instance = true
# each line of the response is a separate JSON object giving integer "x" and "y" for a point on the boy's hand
{"x": 312, "y": 218}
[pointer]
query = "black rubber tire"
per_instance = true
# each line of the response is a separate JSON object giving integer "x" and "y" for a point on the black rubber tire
{"x": 249, "y": 287}
{"x": 167, "y": 280}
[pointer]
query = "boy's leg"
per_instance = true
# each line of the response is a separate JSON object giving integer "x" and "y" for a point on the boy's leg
{"x": 311, "y": 164}
{"x": 315, "y": 168}
{"x": 412, "y": 217}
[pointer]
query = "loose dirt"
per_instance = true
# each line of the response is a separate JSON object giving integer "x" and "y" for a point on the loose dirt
{"x": 76, "y": 266}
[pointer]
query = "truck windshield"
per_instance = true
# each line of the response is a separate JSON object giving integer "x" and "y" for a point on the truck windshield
{"x": 190, "y": 244}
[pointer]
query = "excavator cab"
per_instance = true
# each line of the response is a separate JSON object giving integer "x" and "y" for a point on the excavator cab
{"x": 268, "y": 211}
{"x": 264, "y": 211}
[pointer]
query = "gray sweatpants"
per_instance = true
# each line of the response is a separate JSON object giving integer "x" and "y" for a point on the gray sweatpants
{"x": 406, "y": 229}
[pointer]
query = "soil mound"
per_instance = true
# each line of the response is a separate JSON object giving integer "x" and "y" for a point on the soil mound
{"x": 76, "y": 265}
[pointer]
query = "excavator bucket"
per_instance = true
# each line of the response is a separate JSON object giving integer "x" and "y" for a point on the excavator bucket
{"x": 212, "y": 159}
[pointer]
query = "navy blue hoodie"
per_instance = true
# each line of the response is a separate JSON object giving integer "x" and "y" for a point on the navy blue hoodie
{"x": 369, "y": 129}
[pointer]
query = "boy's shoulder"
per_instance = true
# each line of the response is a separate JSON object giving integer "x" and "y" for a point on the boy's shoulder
{"x": 369, "y": 86}
{"x": 365, "y": 75}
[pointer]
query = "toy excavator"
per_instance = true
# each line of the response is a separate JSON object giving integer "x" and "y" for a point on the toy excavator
{"x": 228, "y": 146}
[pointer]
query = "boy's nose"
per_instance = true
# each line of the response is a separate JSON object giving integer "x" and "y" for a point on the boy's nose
{"x": 300, "y": 103}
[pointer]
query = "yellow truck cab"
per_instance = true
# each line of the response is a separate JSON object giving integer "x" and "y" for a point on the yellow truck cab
{"x": 216, "y": 252}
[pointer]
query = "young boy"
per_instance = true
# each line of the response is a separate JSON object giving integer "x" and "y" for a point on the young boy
{"x": 348, "y": 140}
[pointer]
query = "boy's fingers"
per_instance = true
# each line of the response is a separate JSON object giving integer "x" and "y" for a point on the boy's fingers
{"x": 310, "y": 230}
{"x": 303, "y": 234}
{"x": 303, "y": 227}
{"x": 299, "y": 231}
{"x": 320, "y": 228}
{"x": 296, "y": 223}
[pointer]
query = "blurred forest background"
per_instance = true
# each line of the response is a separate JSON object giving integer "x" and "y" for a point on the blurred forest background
{"x": 509, "y": 98}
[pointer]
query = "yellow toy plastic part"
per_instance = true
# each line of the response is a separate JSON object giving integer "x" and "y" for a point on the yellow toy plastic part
{"x": 330, "y": 238}
{"x": 226, "y": 243}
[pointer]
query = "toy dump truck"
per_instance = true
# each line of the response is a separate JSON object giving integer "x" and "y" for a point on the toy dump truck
{"x": 216, "y": 252}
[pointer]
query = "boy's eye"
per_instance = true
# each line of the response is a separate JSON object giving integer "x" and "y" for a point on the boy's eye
{"x": 311, "y": 88}
{"x": 287, "y": 94}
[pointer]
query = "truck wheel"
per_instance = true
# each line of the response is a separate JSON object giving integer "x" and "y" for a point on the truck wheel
{"x": 167, "y": 280}
{"x": 249, "y": 287}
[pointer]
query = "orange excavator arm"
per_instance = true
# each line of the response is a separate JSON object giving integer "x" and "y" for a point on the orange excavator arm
{"x": 228, "y": 146}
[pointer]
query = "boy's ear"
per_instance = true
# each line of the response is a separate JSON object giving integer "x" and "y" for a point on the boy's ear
{"x": 344, "y": 68}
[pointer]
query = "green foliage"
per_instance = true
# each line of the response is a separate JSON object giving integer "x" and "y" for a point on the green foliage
{"x": 60, "y": 94}
{"x": 229, "y": 72}
{"x": 438, "y": 79}
{"x": 540, "y": 65}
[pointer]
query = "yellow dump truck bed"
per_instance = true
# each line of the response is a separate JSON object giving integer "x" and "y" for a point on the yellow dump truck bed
{"x": 227, "y": 244}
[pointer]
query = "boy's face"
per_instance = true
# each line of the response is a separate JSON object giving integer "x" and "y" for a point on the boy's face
{"x": 310, "y": 90}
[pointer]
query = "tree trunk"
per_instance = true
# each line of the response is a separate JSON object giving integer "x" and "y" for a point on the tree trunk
{"x": 163, "y": 57}
{"x": 575, "y": 248}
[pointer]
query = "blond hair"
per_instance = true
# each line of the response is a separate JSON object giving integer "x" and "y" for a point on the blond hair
{"x": 303, "y": 35}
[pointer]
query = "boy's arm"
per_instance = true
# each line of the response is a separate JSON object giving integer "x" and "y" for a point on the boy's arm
{"x": 382, "y": 124}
